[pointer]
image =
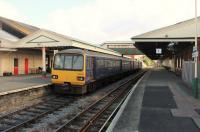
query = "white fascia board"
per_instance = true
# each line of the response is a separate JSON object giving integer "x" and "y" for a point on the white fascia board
{"x": 7, "y": 49}
{"x": 162, "y": 40}
{"x": 42, "y": 39}
{"x": 94, "y": 48}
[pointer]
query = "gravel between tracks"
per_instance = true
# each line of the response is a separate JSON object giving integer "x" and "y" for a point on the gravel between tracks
{"x": 55, "y": 119}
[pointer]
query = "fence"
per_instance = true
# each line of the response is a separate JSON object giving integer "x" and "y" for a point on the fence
{"x": 188, "y": 72}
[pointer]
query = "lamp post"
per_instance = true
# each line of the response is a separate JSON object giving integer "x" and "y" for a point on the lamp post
{"x": 195, "y": 81}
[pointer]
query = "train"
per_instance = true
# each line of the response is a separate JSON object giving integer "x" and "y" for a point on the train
{"x": 77, "y": 71}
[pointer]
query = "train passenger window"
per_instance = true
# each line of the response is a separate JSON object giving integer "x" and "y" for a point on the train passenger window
{"x": 78, "y": 62}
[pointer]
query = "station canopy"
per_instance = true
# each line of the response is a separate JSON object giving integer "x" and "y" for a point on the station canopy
{"x": 15, "y": 35}
{"x": 170, "y": 39}
{"x": 53, "y": 41}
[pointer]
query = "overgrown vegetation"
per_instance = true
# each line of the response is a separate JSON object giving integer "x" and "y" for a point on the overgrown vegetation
{"x": 148, "y": 61}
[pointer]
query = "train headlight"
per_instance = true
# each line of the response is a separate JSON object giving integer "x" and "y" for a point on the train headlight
{"x": 80, "y": 78}
{"x": 54, "y": 76}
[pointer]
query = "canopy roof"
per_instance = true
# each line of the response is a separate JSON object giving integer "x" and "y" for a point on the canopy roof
{"x": 182, "y": 34}
{"x": 182, "y": 31}
{"x": 46, "y": 38}
{"x": 19, "y": 26}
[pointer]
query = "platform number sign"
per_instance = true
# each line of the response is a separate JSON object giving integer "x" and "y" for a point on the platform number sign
{"x": 158, "y": 51}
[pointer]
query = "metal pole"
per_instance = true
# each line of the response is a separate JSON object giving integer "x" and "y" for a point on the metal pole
{"x": 195, "y": 81}
{"x": 43, "y": 61}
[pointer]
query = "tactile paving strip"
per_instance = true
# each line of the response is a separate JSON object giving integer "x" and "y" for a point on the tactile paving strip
{"x": 158, "y": 96}
{"x": 156, "y": 114}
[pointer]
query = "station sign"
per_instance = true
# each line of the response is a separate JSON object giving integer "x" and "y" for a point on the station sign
{"x": 158, "y": 51}
{"x": 194, "y": 48}
{"x": 195, "y": 54}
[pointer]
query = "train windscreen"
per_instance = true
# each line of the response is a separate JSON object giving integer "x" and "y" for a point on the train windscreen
{"x": 68, "y": 62}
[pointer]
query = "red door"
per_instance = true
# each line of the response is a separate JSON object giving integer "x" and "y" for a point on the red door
{"x": 26, "y": 66}
{"x": 16, "y": 66}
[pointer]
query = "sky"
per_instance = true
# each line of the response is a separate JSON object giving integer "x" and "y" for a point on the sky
{"x": 97, "y": 21}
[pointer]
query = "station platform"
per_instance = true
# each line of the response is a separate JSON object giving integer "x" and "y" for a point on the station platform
{"x": 16, "y": 83}
{"x": 161, "y": 102}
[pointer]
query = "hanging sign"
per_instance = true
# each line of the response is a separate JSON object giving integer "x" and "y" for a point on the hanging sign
{"x": 195, "y": 54}
{"x": 158, "y": 51}
{"x": 194, "y": 48}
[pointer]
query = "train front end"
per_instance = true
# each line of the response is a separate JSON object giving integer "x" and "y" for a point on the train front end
{"x": 68, "y": 73}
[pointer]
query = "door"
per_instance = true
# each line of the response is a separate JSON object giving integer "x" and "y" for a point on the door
{"x": 16, "y": 70}
{"x": 26, "y": 66}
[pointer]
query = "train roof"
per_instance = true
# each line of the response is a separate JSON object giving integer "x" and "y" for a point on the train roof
{"x": 92, "y": 53}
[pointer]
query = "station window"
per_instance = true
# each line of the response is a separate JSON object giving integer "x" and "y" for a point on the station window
{"x": 15, "y": 62}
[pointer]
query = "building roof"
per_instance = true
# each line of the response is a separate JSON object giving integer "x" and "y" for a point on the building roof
{"x": 36, "y": 37}
{"x": 123, "y": 47}
{"x": 182, "y": 31}
{"x": 117, "y": 43}
{"x": 46, "y": 38}
{"x": 180, "y": 34}
{"x": 21, "y": 27}
{"x": 128, "y": 51}
{"x": 6, "y": 35}
{"x": 4, "y": 43}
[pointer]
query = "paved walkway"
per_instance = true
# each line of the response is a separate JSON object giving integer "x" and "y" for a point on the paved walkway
{"x": 18, "y": 82}
{"x": 161, "y": 103}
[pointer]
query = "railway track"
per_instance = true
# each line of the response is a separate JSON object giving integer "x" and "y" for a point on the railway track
{"x": 93, "y": 118}
{"x": 28, "y": 115}
{"x": 90, "y": 119}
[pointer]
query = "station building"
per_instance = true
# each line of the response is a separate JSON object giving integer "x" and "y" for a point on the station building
{"x": 176, "y": 43}
{"x": 12, "y": 60}
{"x": 126, "y": 48}
{"x": 25, "y": 49}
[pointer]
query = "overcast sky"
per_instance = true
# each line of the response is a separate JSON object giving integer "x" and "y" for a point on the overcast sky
{"x": 97, "y": 21}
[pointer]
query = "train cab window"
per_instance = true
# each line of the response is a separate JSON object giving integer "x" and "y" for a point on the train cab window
{"x": 78, "y": 62}
{"x": 68, "y": 62}
{"x": 59, "y": 61}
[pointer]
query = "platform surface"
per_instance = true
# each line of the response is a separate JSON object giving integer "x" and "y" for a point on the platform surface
{"x": 160, "y": 103}
{"x": 12, "y": 83}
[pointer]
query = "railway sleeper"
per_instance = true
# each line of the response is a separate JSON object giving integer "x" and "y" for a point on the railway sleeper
{"x": 42, "y": 108}
{"x": 18, "y": 119}
{"x": 29, "y": 114}
{"x": 35, "y": 111}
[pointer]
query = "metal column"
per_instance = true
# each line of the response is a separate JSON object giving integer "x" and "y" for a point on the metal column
{"x": 195, "y": 80}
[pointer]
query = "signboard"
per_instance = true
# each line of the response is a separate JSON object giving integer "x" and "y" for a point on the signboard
{"x": 194, "y": 48}
{"x": 158, "y": 51}
{"x": 195, "y": 54}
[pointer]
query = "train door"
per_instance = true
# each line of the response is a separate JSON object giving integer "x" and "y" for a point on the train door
{"x": 48, "y": 63}
{"x": 26, "y": 66}
{"x": 92, "y": 67}
{"x": 16, "y": 69}
{"x": 89, "y": 68}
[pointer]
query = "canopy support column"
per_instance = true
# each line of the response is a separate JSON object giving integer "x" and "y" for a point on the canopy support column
{"x": 44, "y": 61}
